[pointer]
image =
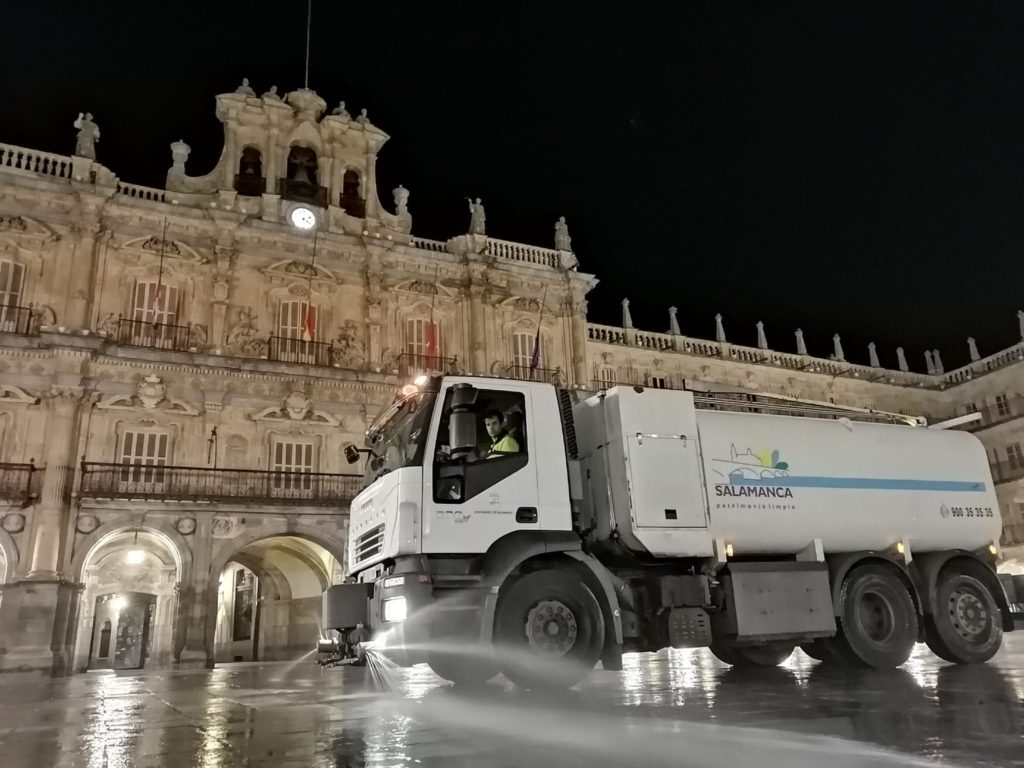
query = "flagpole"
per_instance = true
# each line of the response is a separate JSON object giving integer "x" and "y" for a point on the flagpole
{"x": 432, "y": 329}
{"x": 535, "y": 357}
{"x": 159, "y": 274}
{"x": 308, "y": 327}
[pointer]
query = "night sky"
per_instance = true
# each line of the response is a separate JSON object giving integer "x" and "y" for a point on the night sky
{"x": 852, "y": 171}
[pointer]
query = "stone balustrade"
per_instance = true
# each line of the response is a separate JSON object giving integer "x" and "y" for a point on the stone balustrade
{"x": 1001, "y": 359}
{"x": 139, "y": 192}
{"x": 424, "y": 244}
{"x": 34, "y": 161}
{"x": 662, "y": 342}
{"x": 529, "y": 254}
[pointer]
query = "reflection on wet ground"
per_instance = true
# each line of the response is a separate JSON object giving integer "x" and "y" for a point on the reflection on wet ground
{"x": 678, "y": 708}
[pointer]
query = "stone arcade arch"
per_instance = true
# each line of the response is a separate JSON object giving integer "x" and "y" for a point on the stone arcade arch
{"x": 130, "y": 577}
{"x": 264, "y": 595}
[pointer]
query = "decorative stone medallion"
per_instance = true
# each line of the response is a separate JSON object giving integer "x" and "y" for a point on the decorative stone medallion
{"x": 152, "y": 391}
{"x": 87, "y": 523}
{"x": 14, "y": 522}
{"x": 186, "y": 526}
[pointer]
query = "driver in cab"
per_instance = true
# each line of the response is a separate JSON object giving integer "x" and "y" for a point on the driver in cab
{"x": 502, "y": 442}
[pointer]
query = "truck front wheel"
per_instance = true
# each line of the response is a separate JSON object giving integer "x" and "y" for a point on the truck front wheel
{"x": 461, "y": 669}
{"x": 877, "y": 618}
{"x": 549, "y": 630}
{"x": 964, "y": 626}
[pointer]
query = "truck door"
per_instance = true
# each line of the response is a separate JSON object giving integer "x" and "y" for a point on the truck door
{"x": 666, "y": 489}
{"x": 472, "y": 498}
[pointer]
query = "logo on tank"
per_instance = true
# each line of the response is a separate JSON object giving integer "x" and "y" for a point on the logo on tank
{"x": 763, "y": 465}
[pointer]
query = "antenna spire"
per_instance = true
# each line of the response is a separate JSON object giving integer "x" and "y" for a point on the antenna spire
{"x": 309, "y": 19}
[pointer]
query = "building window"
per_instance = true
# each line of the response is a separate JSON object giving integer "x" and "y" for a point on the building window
{"x": 155, "y": 303}
{"x": 291, "y": 320}
{"x": 659, "y": 382}
{"x": 12, "y": 278}
{"x": 522, "y": 352}
{"x": 144, "y": 453}
{"x": 1015, "y": 456}
{"x": 1002, "y": 405}
{"x": 417, "y": 338}
{"x": 293, "y": 463}
{"x": 606, "y": 377}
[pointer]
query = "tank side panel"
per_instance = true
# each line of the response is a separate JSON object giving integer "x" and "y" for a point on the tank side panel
{"x": 776, "y": 483}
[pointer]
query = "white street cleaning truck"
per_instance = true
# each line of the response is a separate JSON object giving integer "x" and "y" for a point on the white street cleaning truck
{"x": 512, "y": 526}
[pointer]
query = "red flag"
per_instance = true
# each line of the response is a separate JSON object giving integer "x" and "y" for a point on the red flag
{"x": 309, "y": 325}
{"x": 430, "y": 343}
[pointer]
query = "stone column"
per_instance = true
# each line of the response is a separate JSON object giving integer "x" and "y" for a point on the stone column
{"x": 370, "y": 191}
{"x": 578, "y": 311}
{"x": 477, "y": 331}
{"x": 81, "y": 270}
{"x": 39, "y": 611}
{"x": 59, "y": 462}
{"x": 193, "y": 603}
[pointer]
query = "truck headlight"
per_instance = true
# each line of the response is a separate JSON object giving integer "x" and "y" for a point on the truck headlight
{"x": 395, "y": 609}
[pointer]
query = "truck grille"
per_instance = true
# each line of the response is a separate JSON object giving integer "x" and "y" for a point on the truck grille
{"x": 370, "y": 543}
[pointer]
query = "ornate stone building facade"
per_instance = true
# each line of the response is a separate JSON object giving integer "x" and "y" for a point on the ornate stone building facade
{"x": 181, "y": 369}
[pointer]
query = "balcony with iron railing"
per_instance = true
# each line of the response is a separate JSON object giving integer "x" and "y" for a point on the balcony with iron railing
{"x": 1007, "y": 471}
{"x": 282, "y": 349}
{"x": 16, "y": 483}
{"x": 15, "y": 319}
{"x": 526, "y": 373}
{"x": 410, "y": 365}
{"x": 999, "y": 413}
{"x": 102, "y": 480}
{"x": 141, "y": 333}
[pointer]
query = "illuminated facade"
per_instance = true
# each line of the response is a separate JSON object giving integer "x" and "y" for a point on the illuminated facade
{"x": 181, "y": 368}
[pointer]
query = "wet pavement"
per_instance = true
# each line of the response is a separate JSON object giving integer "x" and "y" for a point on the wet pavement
{"x": 678, "y": 708}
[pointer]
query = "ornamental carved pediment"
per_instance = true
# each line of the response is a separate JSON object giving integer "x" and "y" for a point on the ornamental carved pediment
{"x": 297, "y": 407}
{"x": 25, "y": 225}
{"x": 426, "y": 288}
{"x": 171, "y": 249}
{"x": 16, "y": 396}
{"x": 291, "y": 268}
{"x": 150, "y": 394}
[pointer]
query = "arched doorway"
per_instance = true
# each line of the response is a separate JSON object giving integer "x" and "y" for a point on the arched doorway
{"x": 268, "y": 599}
{"x": 129, "y": 603}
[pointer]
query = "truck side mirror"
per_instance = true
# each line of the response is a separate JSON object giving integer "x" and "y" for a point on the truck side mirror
{"x": 462, "y": 422}
{"x": 351, "y": 454}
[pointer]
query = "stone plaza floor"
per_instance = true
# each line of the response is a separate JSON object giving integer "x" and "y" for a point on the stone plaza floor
{"x": 674, "y": 708}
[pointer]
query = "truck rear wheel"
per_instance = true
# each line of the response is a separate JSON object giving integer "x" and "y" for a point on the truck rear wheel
{"x": 965, "y": 624}
{"x": 877, "y": 619}
{"x": 549, "y": 630}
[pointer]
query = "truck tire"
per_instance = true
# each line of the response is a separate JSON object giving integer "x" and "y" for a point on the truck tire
{"x": 548, "y": 629}
{"x": 461, "y": 669}
{"x": 767, "y": 655}
{"x": 831, "y": 651}
{"x": 877, "y": 622}
{"x": 965, "y": 623}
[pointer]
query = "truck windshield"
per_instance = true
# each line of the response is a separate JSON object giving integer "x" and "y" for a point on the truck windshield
{"x": 398, "y": 440}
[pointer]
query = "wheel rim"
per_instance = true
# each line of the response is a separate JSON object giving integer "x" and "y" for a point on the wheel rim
{"x": 968, "y": 614}
{"x": 875, "y": 616}
{"x": 551, "y": 628}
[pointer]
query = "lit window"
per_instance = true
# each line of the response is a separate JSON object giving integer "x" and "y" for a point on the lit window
{"x": 12, "y": 278}
{"x": 1015, "y": 456}
{"x": 417, "y": 338}
{"x": 155, "y": 303}
{"x": 145, "y": 452}
{"x": 1002, "y": 405}
{"x": 522, "y": 353}
{"x": 294, "y": 461}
